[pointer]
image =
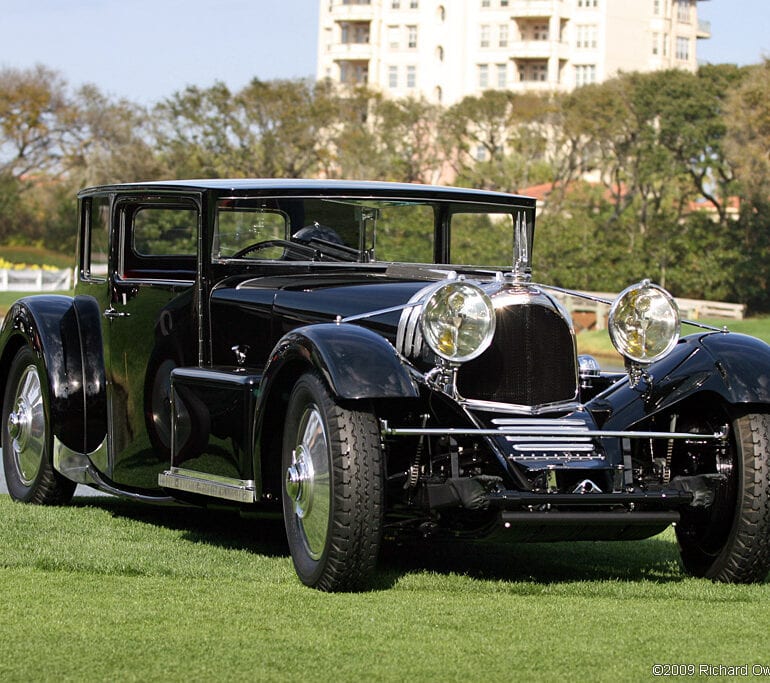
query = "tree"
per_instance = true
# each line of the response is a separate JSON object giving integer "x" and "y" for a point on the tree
{"x": 406, "y": 132}
{"x": 496, "y": 140}
{"x": 110, "y": 141}
{"x": 34, "y": 109}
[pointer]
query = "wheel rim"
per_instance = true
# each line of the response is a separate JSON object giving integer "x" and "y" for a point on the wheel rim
{"x": 26, "y": 427}
{"x": 308, "y": 484}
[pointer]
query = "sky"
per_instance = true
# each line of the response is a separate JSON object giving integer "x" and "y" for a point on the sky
{"x": 146, "y": 50}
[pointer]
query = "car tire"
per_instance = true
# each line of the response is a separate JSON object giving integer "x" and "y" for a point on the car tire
{"x": 730, "y": 541}
{"x": 26, "y": 436}
{"x": 332, "y": 488}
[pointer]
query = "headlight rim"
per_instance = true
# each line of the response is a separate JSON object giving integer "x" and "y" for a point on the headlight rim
{"x": 485, "y": 340}
{"x": 616, "y": 338}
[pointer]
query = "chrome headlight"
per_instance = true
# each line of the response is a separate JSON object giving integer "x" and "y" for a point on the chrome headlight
{"x": 644, "y": 322}
{"x": 458, "y": 321}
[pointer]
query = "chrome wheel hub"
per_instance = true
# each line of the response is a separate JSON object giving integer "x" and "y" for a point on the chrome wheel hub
{"x": 26, "y": 426}
{"x": 308, "y": 482}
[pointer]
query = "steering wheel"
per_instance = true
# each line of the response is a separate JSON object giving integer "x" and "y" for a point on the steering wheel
{"x": 266, "y": 244}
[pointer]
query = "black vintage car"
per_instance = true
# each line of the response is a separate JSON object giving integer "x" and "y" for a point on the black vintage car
{"x": 324, "y": 350}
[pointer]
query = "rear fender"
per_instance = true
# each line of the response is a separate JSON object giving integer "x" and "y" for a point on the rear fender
{"x": 65, "y": 334}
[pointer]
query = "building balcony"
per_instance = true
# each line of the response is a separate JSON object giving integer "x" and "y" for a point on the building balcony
{"x": 340, "y": 12}
{"x": 704, "y": 29}
{"x": 537, "y": 8}
{"x": 354, "y": 51}
{"x": 539, "y": 49}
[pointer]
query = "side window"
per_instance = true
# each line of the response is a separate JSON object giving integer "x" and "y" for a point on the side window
{"x": 95, "y": 213}
{"x": 484, "y": 239}
{"x": 159, "y": 239}
{"x": 164, "y": 231}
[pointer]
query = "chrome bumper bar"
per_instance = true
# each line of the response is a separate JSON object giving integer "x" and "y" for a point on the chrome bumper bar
{"x": 387, "y": 430}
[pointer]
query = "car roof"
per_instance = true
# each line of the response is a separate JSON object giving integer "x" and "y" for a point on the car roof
{"x": 310, "y": 186}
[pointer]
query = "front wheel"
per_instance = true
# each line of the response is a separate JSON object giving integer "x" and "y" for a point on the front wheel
{"x": 730, "y": 541}
{"x": 333, "y": 488}
{"x": 26, "y": 439}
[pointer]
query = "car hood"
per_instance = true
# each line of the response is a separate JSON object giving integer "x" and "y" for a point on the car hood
{"x": 324, "y": 298}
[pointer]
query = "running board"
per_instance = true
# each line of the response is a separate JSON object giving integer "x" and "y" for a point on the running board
{"x": 212, "y": 485}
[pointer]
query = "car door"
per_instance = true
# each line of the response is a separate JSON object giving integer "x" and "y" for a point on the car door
{"x": 150, "y": 326}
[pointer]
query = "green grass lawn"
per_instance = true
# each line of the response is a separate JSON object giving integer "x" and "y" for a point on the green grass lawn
{"x": 36, "y": 256}
{"x": 111, "y": 591}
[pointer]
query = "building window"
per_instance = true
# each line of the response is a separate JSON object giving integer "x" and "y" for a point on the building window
{"x": 440, "y": 53}
{"x": 395, "y": 4}
{"x": 394, "y": 37}
{"x": 586, "y": 37}
{"x": 481, "y": 153}
{"x": 682, "y": 48}
{"x": 534, "y": 72}
{"x": 502, "y": 75}
{"x": 411, "y": 77}
{"x": 413, "y": 4}
{"x": 656, "y": 7}
{"x": 540, "y": 32}
{"x": 683, "y": 11}
{"x": 502, "y": 35}
{"x": 357, "y": 32}
{"x": 665, "y": 44}
{"x": 588, "y": 3}
{"x": 503, "y": 3}
{"x": 483, "y": 76}
{"x": 585, "y": 74}
{"x": 655, "y": 43}
{"x": 392, "y": 77}
{"x": 354, "y": 73}
{"x": 411, "y": 37}
{"x": 486, "y": 3}
{"x": 441, "y": 13}
{"x": 484, "y": 35}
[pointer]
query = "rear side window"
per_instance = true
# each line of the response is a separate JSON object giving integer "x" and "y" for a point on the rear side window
{"x": 159, "y": 239}
{"x": 165, "y": 231}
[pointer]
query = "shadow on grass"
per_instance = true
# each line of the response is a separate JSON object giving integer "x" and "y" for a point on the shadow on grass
{"x": 220, "y": 527}
{"x": 654, "y": 559}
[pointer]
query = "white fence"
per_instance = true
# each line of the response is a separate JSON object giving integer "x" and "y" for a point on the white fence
{"x": 690, "y": 309}
{"x": 35, "y": 280}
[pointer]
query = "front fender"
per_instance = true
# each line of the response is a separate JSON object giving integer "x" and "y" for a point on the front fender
{"x": 356, "y": 362}
{"x": 65, "y": 333}
{"x": 743, "y": 363}
{"x": 732, "y": 366}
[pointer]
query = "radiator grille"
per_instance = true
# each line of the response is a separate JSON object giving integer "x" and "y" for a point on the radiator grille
{"x": 530, "y": 362}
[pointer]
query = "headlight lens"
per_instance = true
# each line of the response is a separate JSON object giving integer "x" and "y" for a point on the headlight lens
{"x": 458, "y": 321}
{"x": 644, "y": 322}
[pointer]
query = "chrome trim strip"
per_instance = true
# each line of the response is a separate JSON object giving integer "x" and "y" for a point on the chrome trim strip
{"x": 517, "y": 409}
{"x": 215, "y": 486}
{"x": 554, "y": 447}
{"x": 557, "y": 421}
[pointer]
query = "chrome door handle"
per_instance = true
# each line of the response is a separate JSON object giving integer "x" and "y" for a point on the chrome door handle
{"x": 114, "y": 313}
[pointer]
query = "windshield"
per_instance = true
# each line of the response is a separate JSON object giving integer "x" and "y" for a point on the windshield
{"x": 365, "y": 230}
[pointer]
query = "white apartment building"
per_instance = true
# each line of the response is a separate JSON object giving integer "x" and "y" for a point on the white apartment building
{"x": 447, "y": 49}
